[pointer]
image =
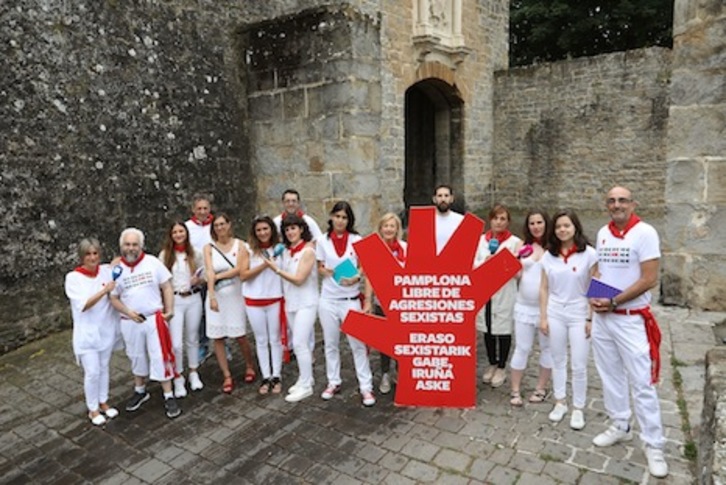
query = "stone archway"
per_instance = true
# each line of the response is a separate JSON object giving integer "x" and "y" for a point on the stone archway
{"x": 434, "y": 140}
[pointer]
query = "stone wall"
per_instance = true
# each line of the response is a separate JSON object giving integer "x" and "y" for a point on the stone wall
{"x": 111, "y": 114}
{"x": 567, "y": 131}
{"x": 712, "y": 439}
{"x": 695, "y": 259}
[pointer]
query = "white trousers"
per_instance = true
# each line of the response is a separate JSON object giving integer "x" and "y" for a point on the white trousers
{"x": 95, "y": 377}
{"x": 332, "y": 312}
{"x": 567, "y": 325}
{"x": 265, "y": 323}
{"x": 184, "y": 329}
{"x": 144, "y": 348}
{"x": 525, "y": 330}
{"x": 302, "y": 324}
{"x": 622, "y": 358}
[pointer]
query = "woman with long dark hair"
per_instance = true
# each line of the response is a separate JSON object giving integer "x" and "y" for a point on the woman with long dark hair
{"x": 262, "y": 290}
{"x": 536, "y": 230}
{"x": 300, "y": 287}
{"x": 185, "y": 265}
{"x": 565, "y": 314}
{"x": 338, "y": 265}
{"x": 225, "y": 305}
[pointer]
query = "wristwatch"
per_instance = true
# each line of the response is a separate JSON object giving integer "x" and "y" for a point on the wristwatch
{"x": 613, "y": 303}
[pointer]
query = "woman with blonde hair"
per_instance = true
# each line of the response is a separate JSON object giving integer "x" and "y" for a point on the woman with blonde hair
{"x": 390, "y": 229}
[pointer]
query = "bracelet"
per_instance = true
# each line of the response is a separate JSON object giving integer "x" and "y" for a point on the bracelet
{"x": 588, "y": 319}
{"x": 613, "y": 303}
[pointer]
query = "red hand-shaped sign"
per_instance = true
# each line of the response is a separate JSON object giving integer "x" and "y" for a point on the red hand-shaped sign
{"x": 430, "y": 305}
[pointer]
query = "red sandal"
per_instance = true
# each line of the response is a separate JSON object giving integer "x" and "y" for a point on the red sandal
{"x": 250, "y": 376}
{"x": 228, "y": 385}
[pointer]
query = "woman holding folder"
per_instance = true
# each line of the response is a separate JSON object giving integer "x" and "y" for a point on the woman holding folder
{"x": 340, "y": 293}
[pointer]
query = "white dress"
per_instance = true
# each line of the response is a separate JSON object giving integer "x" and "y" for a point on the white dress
{"x": 503, "y": 300}
{"x": 230, "y": 320}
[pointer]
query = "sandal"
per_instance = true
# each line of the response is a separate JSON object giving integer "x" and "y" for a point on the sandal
{"x": 250, "y": 376}
{"x": 228, "y": 385}
{"x": 538, "y": 396}
{"x": 265, "y": 387}
{"x": 276, "y": 385}
{"x": 516, "y": 399}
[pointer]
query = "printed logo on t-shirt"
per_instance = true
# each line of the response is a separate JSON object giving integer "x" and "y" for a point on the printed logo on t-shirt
{"x": 614, "y": 255}
{"x": 136, "y": 280}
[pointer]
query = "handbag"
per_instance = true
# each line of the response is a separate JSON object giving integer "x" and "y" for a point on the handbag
{"x": 223, "y": 283}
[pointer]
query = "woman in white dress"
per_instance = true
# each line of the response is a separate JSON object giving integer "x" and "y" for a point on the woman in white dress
{"x": 340, "y": 294}
{"x": 225, "y": 305}
{"x": 95, "y": 327}
{"x": 565, "y": 313}
{"x": 262, "y": 291}
{"x": 496, "y": 320}
{"x": 186, "y": 266}
{"x": 537, "y": 226}
{"x": 300, "y": 287}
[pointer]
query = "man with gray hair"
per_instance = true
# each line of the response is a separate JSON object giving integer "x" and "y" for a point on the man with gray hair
{"x": 145, "y": 298}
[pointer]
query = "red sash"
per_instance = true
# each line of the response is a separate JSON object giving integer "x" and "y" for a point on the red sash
{"x": 654, "y": 336}
{"x": 167, "y": 353}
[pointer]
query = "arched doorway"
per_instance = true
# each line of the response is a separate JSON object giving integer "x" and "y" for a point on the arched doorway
{"x": 434, "y": 141}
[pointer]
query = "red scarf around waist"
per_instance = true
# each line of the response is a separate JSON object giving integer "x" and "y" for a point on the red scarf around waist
{"x": 654, "y": 337}
{"x": 621, "y": 234}
{"x": 258, "y": 302}
{"x": 167, "y": 353}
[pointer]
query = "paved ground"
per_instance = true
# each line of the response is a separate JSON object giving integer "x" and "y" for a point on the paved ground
{"x": 45, "y": 436}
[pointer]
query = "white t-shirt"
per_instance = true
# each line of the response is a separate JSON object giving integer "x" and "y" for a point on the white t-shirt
{"x": 568, "y": 282}
{"x": 325, "y": 252}
{"x": 265, "y": 285}
{"x": 96, "y": 329}
{"x": 312, "y": 225}
{"x": 180, "y": 275}
{"x": 305, "y": 295}
{"x": 619, "y": 259}
{"x": 138, "y": 287}
{"x": 199, "y": 235}
{"x": 445, "y": 226}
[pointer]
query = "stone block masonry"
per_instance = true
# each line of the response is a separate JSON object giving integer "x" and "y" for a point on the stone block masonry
{"x": 111, "y": 114}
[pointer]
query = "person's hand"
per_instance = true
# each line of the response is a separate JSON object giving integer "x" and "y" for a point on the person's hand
{"x": 271, "y": 264}
{"x": 544, "y": 326}
{"x": 324, "y": 271}
{"x": 137, "y": 317}
{"x": 588, "y": 328}
{"x": 195, "y": 281}
{"x": 600, "y": 305}
{"x": 108, "y": 288}
{"x": 168, "y": 316}
{"x": 213, "y": 305}
{"x": 367, "y": 306}
{"x": 349, "y": 281}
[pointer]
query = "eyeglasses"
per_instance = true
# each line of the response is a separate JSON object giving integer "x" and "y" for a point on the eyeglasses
{"x": 619, "y": 200}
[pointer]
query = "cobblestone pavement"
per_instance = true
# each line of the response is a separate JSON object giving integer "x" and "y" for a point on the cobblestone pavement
{"x": 245, "y": 437}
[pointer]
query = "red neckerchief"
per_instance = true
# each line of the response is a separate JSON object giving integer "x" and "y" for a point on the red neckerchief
{"x": 340, "y": 243}
{"x": 652, "y": 331}
{"x": 538, "y": 240}
{"x": 501, "y": 237}
{"x": 135, "y": 263}
{"x": 294, "y": 250}
{"x": 180, "y": 248}
{"x": 621, "y": 234}
{"x": 569, "y": 252}
{"x": 397, "y": 250}
{"x": 298, "y": 213}
{"x": 205, "y": 222}
{"x": 167, "y": 353}
{"x": 266, "y": 245}
{"x": 84, "y": 271}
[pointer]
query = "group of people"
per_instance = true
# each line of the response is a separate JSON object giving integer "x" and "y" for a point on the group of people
{"x": 208, "y": 283}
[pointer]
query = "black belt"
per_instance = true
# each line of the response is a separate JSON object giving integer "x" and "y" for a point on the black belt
{"x": 184, "y": 294}
{"x": 348, "y": 298}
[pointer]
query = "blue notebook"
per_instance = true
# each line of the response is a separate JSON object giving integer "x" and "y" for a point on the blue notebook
{"x": 598, "y": 289}
{"x": 345, "y": 269}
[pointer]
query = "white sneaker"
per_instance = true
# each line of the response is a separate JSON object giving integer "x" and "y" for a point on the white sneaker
{"x": 385, "y": 386}
{"x": 611, "y": 436}
{"x": 195, "y": 383}
{"x": 97, "y": 420}
{"x": 577, "y": 420}
{"x": 488, "y": 374}
{"x": 330, "y": 391}
{"x": 110, "y": 412}
{"x": 299, "y": 394}
{"x": 179, "y": 387}
{"x": 558, "y": 412}
{"x": 657, "y": 465}
{"x": 368, "y": 399}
